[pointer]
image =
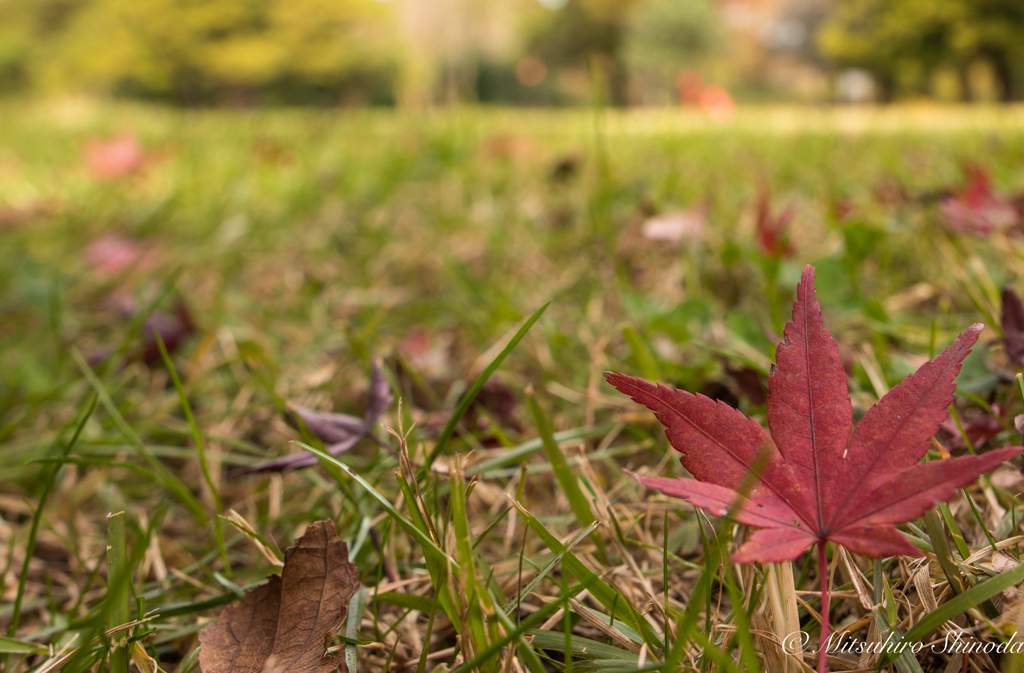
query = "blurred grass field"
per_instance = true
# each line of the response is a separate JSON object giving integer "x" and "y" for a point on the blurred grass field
{"x": 302, "y": 246}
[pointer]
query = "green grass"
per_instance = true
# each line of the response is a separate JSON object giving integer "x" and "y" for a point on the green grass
{"x": 307, "y": 243}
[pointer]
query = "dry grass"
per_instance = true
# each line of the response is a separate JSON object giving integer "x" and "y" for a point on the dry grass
{"x": 307, "y": 244}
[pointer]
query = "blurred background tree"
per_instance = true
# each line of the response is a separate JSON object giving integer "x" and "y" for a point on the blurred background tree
{"x": 907, "y": 44}
{"x": 202, "y": 51}
{"x": 663, "y": 37}
{"x": 534, "y": 52}
{"x": 581, "y": 39}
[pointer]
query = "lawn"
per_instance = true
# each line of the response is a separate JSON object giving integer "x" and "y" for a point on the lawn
{"x": 335, "y": 260}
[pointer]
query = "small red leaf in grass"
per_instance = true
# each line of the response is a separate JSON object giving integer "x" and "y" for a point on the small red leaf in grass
{"x": 977, "y": 208}
{"x": 772, "y": 235}
{"x": 810, "y": 480}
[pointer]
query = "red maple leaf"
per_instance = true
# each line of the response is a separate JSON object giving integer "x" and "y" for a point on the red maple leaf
{"x": 977, "y": 208}
{"x": 812, "y": 481}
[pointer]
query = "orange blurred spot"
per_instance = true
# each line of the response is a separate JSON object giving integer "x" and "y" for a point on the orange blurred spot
{"x": 531, "y": 71}
{"x": 114, "y": 158}
{"x": 689, "y": 83}
{"x": 717, "y": 104}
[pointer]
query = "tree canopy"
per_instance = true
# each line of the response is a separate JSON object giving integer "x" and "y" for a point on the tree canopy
{"x": 902, "y": 43}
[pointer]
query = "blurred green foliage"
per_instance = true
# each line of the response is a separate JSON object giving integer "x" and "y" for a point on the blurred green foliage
{"x": 662, "y": 34}
{"x": 905, "y": 43}
{"x": 582, "y": 34}
{"x": 418, "y": 52}
{"x": 199, "y": 51}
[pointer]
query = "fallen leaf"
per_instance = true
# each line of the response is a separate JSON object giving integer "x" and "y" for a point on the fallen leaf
{"x": 428, "y": 354}
{"x": 812, "y": 480}
{"x": 1001, "y": 563}
{"x": 979, "y": 430}
{"x": 841, "y": 208}
{"x": 977, "y": 208}
{"x": 339, "y": 432}
{"x": 891, "y": 192}
{"x": 115, "y": 157}
{"x": 749, "y": 382}
{"x": 113, "y": 255}
{"x": 676, "y": 226}
{"x": 1006, "y": 478}
{"x": 1012, "y": 320}
{"x": 174, "y": 329}
{"x": 282, "y": 626}
{"x": 143, "y": 662}
{"x": 772, "y": 229}
{"x": 15, "y": 216}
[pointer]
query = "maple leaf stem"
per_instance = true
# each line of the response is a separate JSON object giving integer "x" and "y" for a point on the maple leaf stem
{"x": 823, "y": 565}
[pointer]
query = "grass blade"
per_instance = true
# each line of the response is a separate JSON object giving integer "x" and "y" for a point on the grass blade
{"x": 37, "y": 517}
{"x": 527, "y": 448}
{"x": 532, "y": 584}
{"x": 642, "y": 354}
{"x": 163, "y": 475}
{"x": 607, "y": 596}
{"x": 356, "y": 606}
{"x": 197, "y": 438}
{"x": 427, "y": 545}
{"x": 517, "y": 632}
{"x": 971, "y": 598}
{"x": 12, "y": 646}
{"x": 563, "y": 473}
{"x": 119, "y": 600}
{"x": 938, "y": 539}
{"x": 474, "y": 389}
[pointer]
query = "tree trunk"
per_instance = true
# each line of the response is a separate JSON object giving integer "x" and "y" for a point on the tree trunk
{"x": 886, "y": 86}
{"x": 1005, "y": 75}
{"x": 963, "y": 74}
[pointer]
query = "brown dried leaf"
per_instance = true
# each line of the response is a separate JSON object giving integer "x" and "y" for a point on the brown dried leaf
{"x": 282, "y": 626}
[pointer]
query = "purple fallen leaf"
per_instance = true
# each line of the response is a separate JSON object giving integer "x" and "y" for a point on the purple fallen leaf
{"x": 339, "y": 432}
{"x": 1012, "y": 320}
{"x": 330, "y": 427}
{"x": 173, "y": 329}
